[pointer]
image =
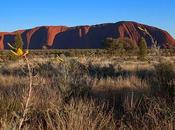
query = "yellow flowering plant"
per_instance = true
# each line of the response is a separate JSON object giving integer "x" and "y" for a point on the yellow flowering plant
{"x": 17, "y": 50}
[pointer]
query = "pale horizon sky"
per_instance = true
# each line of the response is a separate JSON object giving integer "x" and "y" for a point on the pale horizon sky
{"x": 20, "y": 14}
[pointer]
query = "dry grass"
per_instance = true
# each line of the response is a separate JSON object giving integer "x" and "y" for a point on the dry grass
{"x": 88, "y": 93}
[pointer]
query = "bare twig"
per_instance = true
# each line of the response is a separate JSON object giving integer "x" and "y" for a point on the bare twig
{"x": 27, "y": 104}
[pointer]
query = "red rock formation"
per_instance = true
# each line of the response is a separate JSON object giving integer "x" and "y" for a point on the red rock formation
{"x": 53, "y": 31}
{"x": 85, "y": 36}
{"x": 1, "y": 41}
{"x": 30, "y": 34}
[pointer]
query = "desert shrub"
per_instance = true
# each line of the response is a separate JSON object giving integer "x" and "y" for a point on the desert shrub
{"x": 165, "y": 80}
{"x": 67, "y": 54}
{"x": 121, "y": 45}
{"x": 47, "y": 69}
{"x": 128, "y": 44}
{"x": 73, "y": 79}
{"x": 142, "y": 48}
{"x": 102, "y": 72}
{"x": 110, "y": 43}
{"x": 6, "y": 70}
{"x": 70, "y": 76}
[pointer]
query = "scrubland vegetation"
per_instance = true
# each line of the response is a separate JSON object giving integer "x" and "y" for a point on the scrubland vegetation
{"x": 95, "y": 92}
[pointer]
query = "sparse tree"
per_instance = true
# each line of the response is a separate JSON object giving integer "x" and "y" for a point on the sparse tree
{"x": 142, "y": 48}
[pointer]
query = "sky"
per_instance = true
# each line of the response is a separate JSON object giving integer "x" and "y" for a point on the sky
{"x": 24, "y": 14}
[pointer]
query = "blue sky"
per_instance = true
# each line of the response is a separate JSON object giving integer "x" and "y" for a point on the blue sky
{"x": 22, "y": 14}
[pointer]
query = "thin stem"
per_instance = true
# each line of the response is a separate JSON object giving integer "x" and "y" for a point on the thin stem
{"x": 26, "y": 108}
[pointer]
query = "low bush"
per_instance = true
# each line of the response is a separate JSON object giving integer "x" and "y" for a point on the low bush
{"x": 164, "y": 80}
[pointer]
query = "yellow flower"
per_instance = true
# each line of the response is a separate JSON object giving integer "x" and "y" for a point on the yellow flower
{"x": 18, "y": 51}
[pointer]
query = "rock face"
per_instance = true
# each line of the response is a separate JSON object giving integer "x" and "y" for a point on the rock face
{"x": 85, "y": 36}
